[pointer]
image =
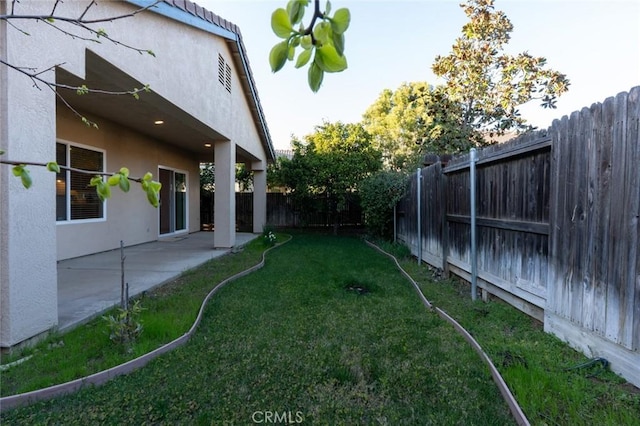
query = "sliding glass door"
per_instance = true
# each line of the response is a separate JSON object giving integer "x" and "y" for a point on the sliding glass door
{"x": 173, "y": 201}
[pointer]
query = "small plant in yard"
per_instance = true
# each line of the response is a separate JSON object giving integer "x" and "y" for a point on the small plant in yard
{"x": 269, "y": 236}
{"x": 125, "y": 327}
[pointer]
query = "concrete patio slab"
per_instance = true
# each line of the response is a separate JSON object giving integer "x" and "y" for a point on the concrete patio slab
{"x": 89, "y": 285}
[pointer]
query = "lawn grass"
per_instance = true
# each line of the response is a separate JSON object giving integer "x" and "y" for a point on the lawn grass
{"x": 169, "y": 311}
{"x": 328, "y": 332}
{"x": 533, "y": 363}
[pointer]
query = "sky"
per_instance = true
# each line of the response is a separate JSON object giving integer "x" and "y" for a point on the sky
{"x": 595, "y": 43}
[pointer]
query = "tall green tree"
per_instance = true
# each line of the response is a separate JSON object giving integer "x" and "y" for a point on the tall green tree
{"x": 415, "y": 119}
{"x": 330, "y": 163}
{"x": 488, "y": 83}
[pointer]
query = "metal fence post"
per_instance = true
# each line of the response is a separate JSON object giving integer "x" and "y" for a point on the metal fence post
{"x": 419, "y": 191}
{"x": 474, "y": 260}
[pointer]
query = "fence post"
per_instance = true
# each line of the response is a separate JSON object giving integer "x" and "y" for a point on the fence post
{"x": 395, "y": 224}
{"x": 419, "y": 217}
{"x": 445, "y": 224}
{"x": 474, "y": 260}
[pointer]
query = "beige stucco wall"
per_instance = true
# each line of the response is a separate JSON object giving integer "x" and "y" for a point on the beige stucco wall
{"x": 129, "y": 217}
{"x": 184, "y": 72}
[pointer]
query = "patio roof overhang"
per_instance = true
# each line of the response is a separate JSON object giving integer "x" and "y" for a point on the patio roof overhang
{"x": 179, "y": 128}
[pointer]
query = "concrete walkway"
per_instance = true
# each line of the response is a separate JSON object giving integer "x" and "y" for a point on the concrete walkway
{"x": 89, "y": 285}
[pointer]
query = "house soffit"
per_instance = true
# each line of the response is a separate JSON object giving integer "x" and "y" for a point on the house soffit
{"x": 180, "y": 128}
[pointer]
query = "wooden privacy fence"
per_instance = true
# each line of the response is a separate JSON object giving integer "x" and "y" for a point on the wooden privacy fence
{"x": 557, "y": 226}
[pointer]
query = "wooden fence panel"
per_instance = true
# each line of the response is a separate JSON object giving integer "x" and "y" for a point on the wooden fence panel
{"x": 594, "y": 252}
{"x": 558, "y": 226}
{"x": 512, "y": 214}
{"x": 432, "y": 212}
{"x": 407, "y": 217}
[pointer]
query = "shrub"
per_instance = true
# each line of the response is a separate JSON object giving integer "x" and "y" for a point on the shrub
{"x": 379, "y": 193}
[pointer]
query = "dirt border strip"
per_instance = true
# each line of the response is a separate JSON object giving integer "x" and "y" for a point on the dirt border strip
{"x": 516, "y": 411}
{"x": 99, "y": 378}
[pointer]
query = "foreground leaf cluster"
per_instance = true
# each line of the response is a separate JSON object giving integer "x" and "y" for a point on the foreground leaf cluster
{"x": 322, "y": 42}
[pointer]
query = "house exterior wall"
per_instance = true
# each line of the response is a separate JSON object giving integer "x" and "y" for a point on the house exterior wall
{"x": 184, "y": 72}
{"x": 28, "y": 294}
{"x": 128, "y": 216}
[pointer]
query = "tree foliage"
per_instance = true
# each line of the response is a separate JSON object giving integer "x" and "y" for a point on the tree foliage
{"x": 379, "y": 193}
{"x": 416, "y": 119}
{"x": 488, "y": 83}
{"x": 244, "y": 177}
{"x": 322, "y": 41}
{"x": 330, "y": 163}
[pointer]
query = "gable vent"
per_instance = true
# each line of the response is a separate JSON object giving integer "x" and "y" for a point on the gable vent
{"x": 224, "y": 73}
{"x": 220, "y": 69}
{"x": 227, "y": 80}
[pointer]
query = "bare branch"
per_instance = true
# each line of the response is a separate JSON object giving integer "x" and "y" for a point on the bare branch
{"x": 35, "y": 76}
{"x": 71, "y": 169}
{"x": 93, "y": 2}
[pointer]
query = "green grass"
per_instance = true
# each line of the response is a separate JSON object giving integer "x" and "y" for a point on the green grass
{"x": 533, "y": 363}
{"x": 169, "y": 311}
{"x": 330, "y": 331}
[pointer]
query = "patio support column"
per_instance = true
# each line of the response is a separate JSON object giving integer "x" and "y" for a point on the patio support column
{"x": 259, "y": 195}
{"x": 224, "y": 216}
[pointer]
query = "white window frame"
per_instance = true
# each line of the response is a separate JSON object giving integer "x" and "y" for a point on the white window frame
{"x": 68, "y": 220}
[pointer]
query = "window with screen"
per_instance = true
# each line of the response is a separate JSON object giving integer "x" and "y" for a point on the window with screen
{"x": 75, "y": 198}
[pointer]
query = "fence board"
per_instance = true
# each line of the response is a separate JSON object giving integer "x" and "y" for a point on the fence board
{"x": 633, "y": 155}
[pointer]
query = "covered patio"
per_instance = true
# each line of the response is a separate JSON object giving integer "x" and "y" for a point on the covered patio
{"x": 89, "y": 285}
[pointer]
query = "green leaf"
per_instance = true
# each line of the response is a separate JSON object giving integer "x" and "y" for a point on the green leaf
{"x": 150, "y": 52}
{"x": 124, "y": 183}
{"x": 315, "y": 77}
{"x": 278, "y": 56}
{"x": 104, "y": 191}
{"x": 51, "y": 20}
{"x": 17, "y": 170}
{"x": 327, "y": 9}
{"x": 95, "y": 181}
{"x": 147, "y": 177}
{"x": 322, "y": 32}
{"x": 280, "y": 23}
{"x": 82, "y": 90}
{"x": 124, "y": 172}
{"x": 52, "y": 166}
{"x": 295, "y": 9}
{"x": 22, "y": 172}
{"x": 303, "y": 58}
{"x": 292, "y": 53}
{"x": 306, "y": 42}
{"x": 329, "y": 60}
{"x": 338, "y": 43}
{"x": 114, "y": 180}
{"x": 152, "y": 188}
{"x": 340, "y": 21}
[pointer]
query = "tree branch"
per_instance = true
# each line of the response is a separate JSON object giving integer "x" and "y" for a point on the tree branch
{"x": 71, "y": 169}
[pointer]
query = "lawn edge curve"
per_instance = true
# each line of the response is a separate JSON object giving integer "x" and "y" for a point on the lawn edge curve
{"x": 514, "y": 407}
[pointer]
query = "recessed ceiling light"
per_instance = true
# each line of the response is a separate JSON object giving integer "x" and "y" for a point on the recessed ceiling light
{"x": 158, "y": 122}
{"x": 207, "y": 145}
